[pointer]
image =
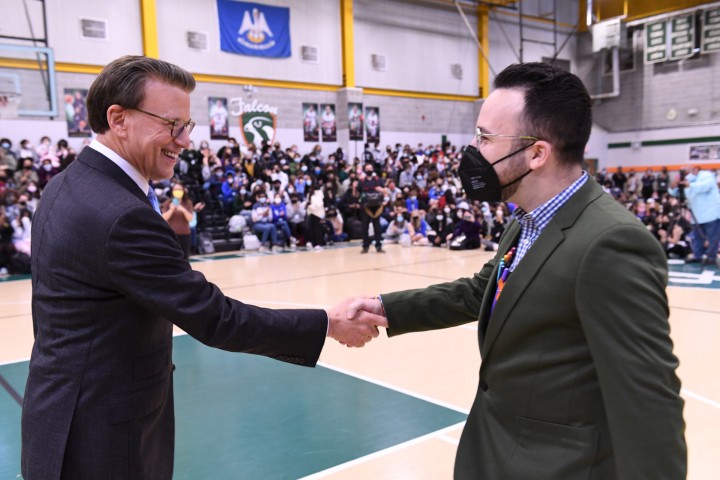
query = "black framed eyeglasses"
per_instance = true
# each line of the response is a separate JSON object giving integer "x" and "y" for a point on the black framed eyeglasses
{"x": 177, "y": 127}
{"x": 483, "y": 137}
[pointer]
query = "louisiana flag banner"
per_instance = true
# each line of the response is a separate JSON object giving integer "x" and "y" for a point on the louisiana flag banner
{"x": 253, "y": 29}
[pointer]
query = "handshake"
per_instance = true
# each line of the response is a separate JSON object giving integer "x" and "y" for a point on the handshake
{"x": 355, "y": 320}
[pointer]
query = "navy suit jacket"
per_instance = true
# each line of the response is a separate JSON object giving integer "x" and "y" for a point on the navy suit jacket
{"x": 109, "y": 280}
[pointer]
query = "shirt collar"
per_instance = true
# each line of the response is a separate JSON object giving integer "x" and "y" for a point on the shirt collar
{"x": 542, "y": 215}
{"x": 126, "y": 166}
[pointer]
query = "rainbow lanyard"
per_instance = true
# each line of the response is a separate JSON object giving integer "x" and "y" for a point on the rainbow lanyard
{"x": 502, "y": 275}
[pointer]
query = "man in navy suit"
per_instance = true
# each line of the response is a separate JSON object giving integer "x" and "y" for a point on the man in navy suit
{"x": 110, "y": 280}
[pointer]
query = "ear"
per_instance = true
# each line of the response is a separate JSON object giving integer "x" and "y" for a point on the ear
{"x": 117, "y": 120}
{"x": 541, "y": 153}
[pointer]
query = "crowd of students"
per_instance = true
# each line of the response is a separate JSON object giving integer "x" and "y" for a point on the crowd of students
{"x": 288, "y": 198}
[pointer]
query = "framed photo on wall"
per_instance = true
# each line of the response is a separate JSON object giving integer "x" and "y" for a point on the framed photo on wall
{"x": 372, "y": 124}
{"x": 355, "y": 121}
{"x": 328, "y": 123}
{"x": 311, "y": 130}
{"x": 76, "y": 112}
{"x": 218, "y": 112}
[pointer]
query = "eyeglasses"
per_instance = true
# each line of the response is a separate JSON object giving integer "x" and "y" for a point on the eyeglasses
{"x": 176, "y": 126}
{"x": 491, "y": 137}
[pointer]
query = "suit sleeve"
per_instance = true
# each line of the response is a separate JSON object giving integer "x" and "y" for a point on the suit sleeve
{"x": 623, "y": 310}
{"x": 438, "y": 306}
{"x": 145, "y": 264}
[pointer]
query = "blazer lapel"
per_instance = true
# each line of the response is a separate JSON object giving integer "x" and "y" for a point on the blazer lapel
{"x": 526, "y": 272}
{"x": 96, "y": 160}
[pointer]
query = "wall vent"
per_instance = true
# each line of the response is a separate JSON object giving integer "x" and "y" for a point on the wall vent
{"x": 456, "y": 70}
{"x": 197, "y": 41}
{"x": 93, "y": 29}
{"x": 309, "y": 54}
{"x": 378, "y": 62}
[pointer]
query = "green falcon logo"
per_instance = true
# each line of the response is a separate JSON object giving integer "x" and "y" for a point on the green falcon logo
{"x": 258, "y": 126}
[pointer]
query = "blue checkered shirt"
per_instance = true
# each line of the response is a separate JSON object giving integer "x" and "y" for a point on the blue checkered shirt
{"x": 533, "y": 223}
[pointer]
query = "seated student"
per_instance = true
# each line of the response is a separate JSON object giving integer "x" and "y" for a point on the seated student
{"x": 279, "y": 218}
{"x": 396, "y": 228}
{"x": 296, "y": 217}
{"x": 417, "y": 229}
{"x": 262, "y": 223}
{"x": 467, "y": 233}
{"x": 334, "y": 222}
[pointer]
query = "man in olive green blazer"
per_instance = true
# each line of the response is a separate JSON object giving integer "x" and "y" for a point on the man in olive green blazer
{"x": 577, "y": 379}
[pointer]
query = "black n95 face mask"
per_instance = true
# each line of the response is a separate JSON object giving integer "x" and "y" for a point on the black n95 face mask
{"x": 478, "y": 177}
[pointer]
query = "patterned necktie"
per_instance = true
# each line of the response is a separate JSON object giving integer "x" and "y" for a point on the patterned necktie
{"x": 153, "y": 200}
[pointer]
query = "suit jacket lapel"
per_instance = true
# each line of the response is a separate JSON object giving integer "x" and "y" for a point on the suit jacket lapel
{"x": 548, "y": 241}
{"x": 96, "y": 160}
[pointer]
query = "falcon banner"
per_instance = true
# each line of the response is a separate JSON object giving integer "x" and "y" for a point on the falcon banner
{"x": 254, "y": 29}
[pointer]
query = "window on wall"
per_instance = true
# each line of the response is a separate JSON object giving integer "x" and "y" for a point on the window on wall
{"x": 626, "y": 53}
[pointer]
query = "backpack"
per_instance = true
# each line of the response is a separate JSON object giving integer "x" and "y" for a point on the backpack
{"x": 205, "y": 243}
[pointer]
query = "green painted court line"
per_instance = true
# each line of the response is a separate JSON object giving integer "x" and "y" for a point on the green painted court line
{"x": 242, "y": 416}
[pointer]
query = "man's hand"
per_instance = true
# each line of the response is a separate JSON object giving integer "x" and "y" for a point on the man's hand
{"x": 354, "y": 327}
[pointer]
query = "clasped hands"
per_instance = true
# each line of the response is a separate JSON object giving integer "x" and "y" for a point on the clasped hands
{"x": 355, "y": 320}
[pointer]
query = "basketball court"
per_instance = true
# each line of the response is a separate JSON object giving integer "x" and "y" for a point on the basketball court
{"x": 392, "y": 410}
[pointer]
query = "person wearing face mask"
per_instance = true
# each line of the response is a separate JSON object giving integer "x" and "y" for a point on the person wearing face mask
{"x": 467, "y": 232}
{"x": 373, "y": 203}
{"x": 26, "y": 174}
{"x": 578, "y": 376}
{"x": 279, "y": 218}
{"x": 396, "y": 228}
{"x": 296, "y": 215}
{"x": 47, "y": 170}
{"x": 177, "y": 211}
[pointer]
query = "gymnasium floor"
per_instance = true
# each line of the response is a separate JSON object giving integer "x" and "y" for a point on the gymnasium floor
{"x": 392, "y": 410}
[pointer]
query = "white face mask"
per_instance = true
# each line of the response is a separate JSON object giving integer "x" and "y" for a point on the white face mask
{"x": 277, "y": 201}
{"x": 47, "y": 168}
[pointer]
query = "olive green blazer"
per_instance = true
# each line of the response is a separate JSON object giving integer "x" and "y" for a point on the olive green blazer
{"x": 577, "y": 379}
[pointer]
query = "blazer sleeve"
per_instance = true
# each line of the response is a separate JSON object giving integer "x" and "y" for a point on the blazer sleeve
{"x": 145, "y": 264}
{"x": 438, "y": 306}
{"x": 623, "y": 311}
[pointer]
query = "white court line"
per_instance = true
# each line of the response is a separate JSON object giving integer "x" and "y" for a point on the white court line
{"x": 448, "y": 439}
{"x": 10, "y": 362}
{"x": 395, "y": 388}
{"x": 382, "y": 453}
{"x": 694, "y": 395}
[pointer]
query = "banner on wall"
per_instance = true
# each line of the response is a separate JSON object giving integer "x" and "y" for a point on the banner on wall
{"x": 704, "y": 153}
{"x": 218, "y": 112}
{"x": 254, "y": 29}
{"x": 76, "y": 112}
{"x": 311, "y": 131}
{"x": 372, "y": 124}
{"x": 257, "y": 120}
{"x": 328, "y": 124}
{"x": 355, "y": 121}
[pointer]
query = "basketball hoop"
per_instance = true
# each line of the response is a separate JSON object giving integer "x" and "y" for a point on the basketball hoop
{"x": 9, "y": 103}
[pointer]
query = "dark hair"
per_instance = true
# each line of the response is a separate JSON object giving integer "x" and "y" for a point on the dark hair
{"x": 122, "y": 82}
{"x": 558, "y": 108}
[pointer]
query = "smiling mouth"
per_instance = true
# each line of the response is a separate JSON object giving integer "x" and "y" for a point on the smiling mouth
{"x": 170, "y": 154}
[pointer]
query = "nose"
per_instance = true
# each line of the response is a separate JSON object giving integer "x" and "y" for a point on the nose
{"x": 183, "y": 139}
